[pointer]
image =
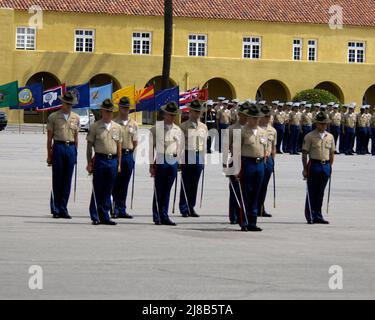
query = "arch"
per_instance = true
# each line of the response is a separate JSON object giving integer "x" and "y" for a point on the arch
{"x": 220, "y": 87}
{"x": 369, "y": 96}
{"x": 49, "y": 80}
{"x": 157, "y": 83}
{"x": 102, "y": 79}
{"x": 332, "y": 88}
{"x": 273, "y": 89}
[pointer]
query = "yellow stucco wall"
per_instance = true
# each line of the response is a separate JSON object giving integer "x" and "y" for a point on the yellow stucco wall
{"x": 55, "y": 53}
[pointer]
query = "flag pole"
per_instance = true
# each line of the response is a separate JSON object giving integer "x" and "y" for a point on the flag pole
{"x": 43, "y": 111}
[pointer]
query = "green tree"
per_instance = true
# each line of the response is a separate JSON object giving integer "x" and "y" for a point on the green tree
{"x": 316, "y": 95}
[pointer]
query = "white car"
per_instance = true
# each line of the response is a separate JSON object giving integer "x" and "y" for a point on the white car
{"x": 86, "y": 118}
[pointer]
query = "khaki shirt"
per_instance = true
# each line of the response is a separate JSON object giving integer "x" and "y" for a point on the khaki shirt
{"x": 170, "y": 143}
{"x": 198, "y": 135}
{"x": 318, "y": 148}
{"x": 233, "y": 115}
{"x": 336, "y": 118}
{"x": 350, "y": 120}
{"x": 306, "y": 119}
{"x": 63, "y": 130}
{"x": 343, "y": 118}
{"x": 373, "y": 121}
{"x": 279, "y": 117}
{"x": 104, "y": 141}
{"x": 224, "y": 116}
{"x": 253, "y": 146}
{"x": 272, "y": 138}
{"x": 361, "y": 120}
{"x": 294, "y": 118}
{"x": 368, "y": 119}
{"x": 129, "y": 133}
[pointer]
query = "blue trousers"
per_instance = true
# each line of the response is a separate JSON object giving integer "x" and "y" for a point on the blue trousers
{"x": 166, "y": 174}
{"x": 305, "y": 131}
{"x": 63, "y": 162}
{"x": 280, "y": 128}
{"x": 191, "y": 174}
{"x": 234, "y": 208}
{"x": 268, "y": 171}
{"x": 104, "y": 177}
{"x": 342, "y": 146}
{"x": 373, "y": 141}
{"x": 367, "y": 139}
{"x": 361, "y": 140}
{"x": 293, "y": 139}
{"x": 251, "y": 177}
{"x": 120, "y": 190}
{"x": 349, "y": 138}
{"x": 318, "y": 176}
{"x": 335, "y": 131}
{"x": 286, "y": 138}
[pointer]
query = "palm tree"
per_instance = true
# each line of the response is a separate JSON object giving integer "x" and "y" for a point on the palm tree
{"x": 168, "y": 36}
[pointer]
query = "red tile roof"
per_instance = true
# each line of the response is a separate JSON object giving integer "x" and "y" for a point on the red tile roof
{"x": 355, "y": 12}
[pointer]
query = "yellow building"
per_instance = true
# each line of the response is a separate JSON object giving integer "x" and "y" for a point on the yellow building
{"x": 239, "y": 48}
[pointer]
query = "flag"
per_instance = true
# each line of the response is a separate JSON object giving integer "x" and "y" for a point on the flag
{"x": 30, "y": 97}
{"x": 125, "y": 92}
{"x": 144, "y": 93}
{"x": 9, "y": 95}
{"x": 50, "y": 98}
{"x": 82, "y": 93}
{"x": 99, "y": 94}
{"x": 190, "y": 95}
{"x": 161, "y": 98}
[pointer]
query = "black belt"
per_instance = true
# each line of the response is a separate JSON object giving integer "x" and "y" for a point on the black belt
{"x": 107, "y": 156}
{"x": 127, "y": 151}
{"x": 67, "y": 143}
{"x": 320, "y": 161}
{"x": 256, "y": 160}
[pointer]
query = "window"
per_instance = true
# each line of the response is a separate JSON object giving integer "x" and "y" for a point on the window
{"x": 251, "y": 47}
{"x": 25, "y": 38}
{"x": 297, "y": 49}
{"x": 197, "y": 45}
{"x": 356, "y": 52}
{"x": 311, "y": 50}
{"x": 84, "y": 40}
{"x": 141, "y": 43}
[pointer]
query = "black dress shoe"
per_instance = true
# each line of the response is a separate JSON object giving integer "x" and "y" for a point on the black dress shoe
{"x": 254, "y": 229}
{"x": 310, "y": 222}
{"x": 125, "y": 216}
{"x": 108, "y": 223}
{"x": 184, "y": 215}
{"x": 114, "y": 216}
{"x": 267, "y": 215}
{"x": 194, "y": 214}
{"x": 168, "y": 223}
{"x": 158, "y": 223}
{"x": 321, "y": 221}
{"x": 337, "y": 152}
{"x": 95, "y": 223}
{"x": 244, "y": 229}
{"x": 66, "y": 216}
{"x": 56, "y": 216}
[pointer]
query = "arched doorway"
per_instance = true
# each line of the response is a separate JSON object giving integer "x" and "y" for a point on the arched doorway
{"x": 49, "y": 81}
{"x": 332, "y": 88}
{"x": 219, "y": 87}
{"x": 369, "y": 96}
{"x": 149, "y": 117}
{"x": 273, "y": 90}
{"x": 103, "y": 79}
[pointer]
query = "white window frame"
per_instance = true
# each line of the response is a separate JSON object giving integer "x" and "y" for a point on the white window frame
{"x": 196, "y": 41}
{"x": 356, "y": 49}
{"x": 25, "y": 35}
{"x": 142, "y": 40}
{"x": 312, "y": 46}
{"x": 300, "y": 46}
{"x": 84, "y": 36}
{"x": 251, "y": 43}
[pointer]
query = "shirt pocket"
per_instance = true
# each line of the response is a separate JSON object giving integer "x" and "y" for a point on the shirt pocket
{"x": 73, "y": 124}
{"x": 328, "y": 144}
{"x": 249, "y": 140}
{"x": 115, "y": 134}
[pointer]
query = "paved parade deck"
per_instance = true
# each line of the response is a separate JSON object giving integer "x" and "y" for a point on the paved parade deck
{"x": 203, "y": 258}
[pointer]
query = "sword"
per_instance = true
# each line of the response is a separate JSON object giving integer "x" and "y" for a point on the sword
{"x": 183, "y": 189}
{"x": 131, "y": 202}
{"x": 308, "y": 200}
{"x": 200, "y": 206}
{"x": 93, "y": 193}
{"x": 329, "y": 191}
{"x": 243, "y": 202}
{"x": 156, "y": 200}
{"x": 175, "y": 193}
{"x": 274, "y": 187}
{"x": 234, "y": 192}
{"x": 75, "y": 182}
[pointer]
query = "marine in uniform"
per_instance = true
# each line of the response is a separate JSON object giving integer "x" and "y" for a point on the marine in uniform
{"x": 167, "y": 146}
{"x": 105, "y": 137}
{"x": 368, "y": 129}
{"x": 129, "y": 134}
{"x": 195, "y": 133}
{"x": 223, "y": 117}
{"x": 294, "y": 129}
{"x": 279, "y": 125}
{"x": 306, "y": 124}
{"x": 234, "y": 111}
{"x": 373, "y": 133}
{"x": 62, "y": 144}
{"x": 253, "y": 153}
{"x": 265, "y": 124}
{"x": 342, "y": 145}
{"x": 209, "y": 119}
{"x": 335, "y": 125}
{"x": 219, "y": 104}
{"x": 361, "y": 131}
{"x": 286, "y": 137}
{"x": 349, "y": 130}
{"x": 234, "y": 207}
{"x": 319, "y": 146}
